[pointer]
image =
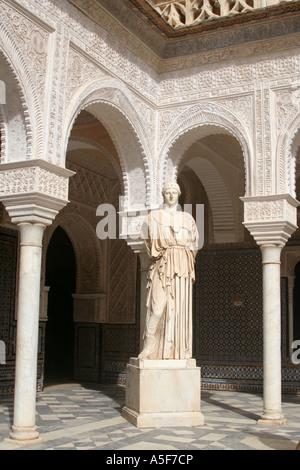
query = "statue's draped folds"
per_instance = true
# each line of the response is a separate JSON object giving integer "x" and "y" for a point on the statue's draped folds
{"x": 171, "y": 239}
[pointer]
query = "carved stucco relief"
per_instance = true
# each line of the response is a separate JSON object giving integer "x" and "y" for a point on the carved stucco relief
{"x": 13, "y": 126}
{"x": 285, "y": 158}
{"x": 25, "y": 46}
{"x": 80, "y": 72}
{"x": 33, "y": 180}
{"x": 139, "y": 144}
{"x": 31, "y": 39}
{"x": 227, "y": 79}
{"x": 196, "y": 122}
{"x": 131, "y": 131}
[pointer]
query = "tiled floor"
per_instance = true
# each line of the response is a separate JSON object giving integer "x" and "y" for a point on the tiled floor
{"x": 85, "y": 417}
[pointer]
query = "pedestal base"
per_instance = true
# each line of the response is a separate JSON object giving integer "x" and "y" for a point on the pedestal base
{"x": 23, "y": 436}
{"x": 272, "y": 418}
{"x": 163, "y": 393}
{"x": 272, "y": 422}
{"x": 23, "y": 442}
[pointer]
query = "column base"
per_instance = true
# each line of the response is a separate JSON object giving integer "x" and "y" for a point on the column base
{"x": 24, "y": 436}
{"x": 163, "y": 393}
{"x": 268, "y": 418}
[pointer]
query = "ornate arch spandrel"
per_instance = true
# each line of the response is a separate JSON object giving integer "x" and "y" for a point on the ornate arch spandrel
{"x": 112, "y": 105}
{"x": 286, "y": 157}
{"x": 195, "y": 123}
{"x": 31, "y": 100}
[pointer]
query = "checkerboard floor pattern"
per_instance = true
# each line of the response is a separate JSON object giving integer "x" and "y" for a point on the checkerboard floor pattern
{"x": 85, "y": 417}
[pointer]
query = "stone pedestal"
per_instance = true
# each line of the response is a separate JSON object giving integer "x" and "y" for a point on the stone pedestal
{"x": 163, "y": 393}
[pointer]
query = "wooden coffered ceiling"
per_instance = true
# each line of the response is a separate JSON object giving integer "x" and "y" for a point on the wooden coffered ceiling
{"x": 145, "y": 33}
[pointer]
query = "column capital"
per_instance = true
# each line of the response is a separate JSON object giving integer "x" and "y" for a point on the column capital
{"x": 33, "y": 191}
{"x": 271, "y": 219}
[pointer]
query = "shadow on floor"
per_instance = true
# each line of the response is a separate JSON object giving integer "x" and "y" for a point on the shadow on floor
{"x": 115, "y": 392}
{"x": 233, "y": 409}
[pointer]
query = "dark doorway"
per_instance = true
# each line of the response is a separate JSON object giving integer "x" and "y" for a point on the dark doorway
{"x": 296, "y": 319}
{"x": 61, "y": 278}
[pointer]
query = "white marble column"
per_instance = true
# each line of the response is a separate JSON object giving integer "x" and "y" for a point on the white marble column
{"x": 24, "y": 428}
{"x": 272, "y": 413}
{"x": 271, "y": 220}
{"x": 32, "y": 207}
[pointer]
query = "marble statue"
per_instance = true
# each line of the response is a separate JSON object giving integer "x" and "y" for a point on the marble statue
{"x": 171, "y": 239}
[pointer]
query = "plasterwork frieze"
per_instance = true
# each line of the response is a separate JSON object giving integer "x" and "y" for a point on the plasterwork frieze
{"x": 33, "y": 179}
{"x": 31, "y": 38}
{"x": 266, "y": 151}
{"x": 198, "y": 121}
{"x": 14, "y": 141}
{"x": 56, "y": 102}
{"x": 285, "y": 157}
{"x": 265, "y": 211}
{"x": 231, "y": 53}
{"x": 243, "y": 108}
{"x": 168, "y": 116}
{"x": 80, "y": 72}
{"x": 131, "y": 124}
{"x": 241, "y": 87}
{"x": 227, "y": 79}
{"x": 184, "y": 54}
{"x": 270, "y": 219}
{"x": 287, "y": 103}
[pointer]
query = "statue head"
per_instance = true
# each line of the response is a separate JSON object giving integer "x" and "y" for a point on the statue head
{"x": 171, "y": 192}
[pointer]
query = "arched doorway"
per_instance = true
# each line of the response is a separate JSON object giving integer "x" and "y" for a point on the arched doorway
{"x": 227, "y": 290}
{"x": 296, "y": 303}
{"x": 296, "y": 235}
{"x": 61, "y": 278}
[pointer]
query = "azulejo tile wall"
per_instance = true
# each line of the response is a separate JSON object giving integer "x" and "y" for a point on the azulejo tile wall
{"x": 228, "y": 315}
{"x": 8, "y": 266}
{"x": 228, "y": 332}
{"x": 228, "y": 305}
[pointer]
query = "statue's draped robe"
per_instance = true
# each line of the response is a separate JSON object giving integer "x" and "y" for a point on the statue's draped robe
{"x": 171, "y": 239}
